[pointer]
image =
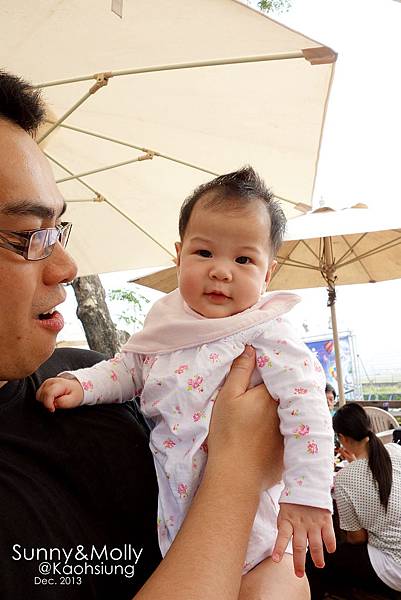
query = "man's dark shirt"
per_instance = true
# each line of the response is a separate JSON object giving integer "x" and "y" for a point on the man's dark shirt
{"x": 82, "y": 477}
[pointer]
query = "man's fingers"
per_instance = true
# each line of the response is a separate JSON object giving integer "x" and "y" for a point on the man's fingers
{"x": 240, "y": 374}
{"x": 285, "y": 532}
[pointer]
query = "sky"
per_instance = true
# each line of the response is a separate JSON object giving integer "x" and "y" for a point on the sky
{"x": 359, "y": 162}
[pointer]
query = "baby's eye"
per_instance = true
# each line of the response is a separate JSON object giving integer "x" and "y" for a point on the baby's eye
{"x": 204, "y": 253}
{"x": 243, "y": 260}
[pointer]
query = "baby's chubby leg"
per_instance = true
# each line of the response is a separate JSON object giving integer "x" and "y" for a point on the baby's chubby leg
{"x": 274, "y": 581}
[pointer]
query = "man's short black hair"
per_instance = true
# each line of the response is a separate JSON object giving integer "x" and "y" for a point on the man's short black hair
{"x": 20, "y": 103}
{"x": 236, "y": 190}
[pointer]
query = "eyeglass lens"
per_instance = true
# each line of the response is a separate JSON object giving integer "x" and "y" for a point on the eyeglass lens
{"x": 42, "y": 241}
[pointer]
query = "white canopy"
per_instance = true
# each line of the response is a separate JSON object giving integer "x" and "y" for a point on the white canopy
{"x": 181, "y": 125}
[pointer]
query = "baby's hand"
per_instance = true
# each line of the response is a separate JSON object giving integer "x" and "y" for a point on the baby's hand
{"x": 60, "y": 393}
{"x": 304, "y": 524}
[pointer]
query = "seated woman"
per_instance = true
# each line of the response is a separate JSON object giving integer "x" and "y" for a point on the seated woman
{"x": 368, "y": 498}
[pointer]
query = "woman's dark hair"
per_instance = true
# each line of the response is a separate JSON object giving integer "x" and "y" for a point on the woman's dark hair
{"x": 237, "y": 190}
{"x": 329, "y": 388}
{"x": 352, "y": 421}
{"x": 20, "y": 102}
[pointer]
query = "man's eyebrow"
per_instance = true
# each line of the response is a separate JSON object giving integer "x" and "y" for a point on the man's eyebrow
{"x": 28, "y": 208}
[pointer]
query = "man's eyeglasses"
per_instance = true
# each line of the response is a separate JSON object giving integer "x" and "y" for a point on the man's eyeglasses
{"x": 37, "y": 243}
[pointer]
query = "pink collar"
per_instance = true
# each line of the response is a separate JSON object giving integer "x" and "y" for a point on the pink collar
{"x": 172, "y": 325}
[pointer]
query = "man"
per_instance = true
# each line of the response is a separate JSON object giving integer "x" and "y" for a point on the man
{"x": 66, "y": 481}
{"x": 78, "y": 494}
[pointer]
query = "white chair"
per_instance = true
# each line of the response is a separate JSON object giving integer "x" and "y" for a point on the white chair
{"x": 382, "y": 423}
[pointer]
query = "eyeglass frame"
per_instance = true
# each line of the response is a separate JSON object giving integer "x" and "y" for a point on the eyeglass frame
{"x": 26, "y": 236}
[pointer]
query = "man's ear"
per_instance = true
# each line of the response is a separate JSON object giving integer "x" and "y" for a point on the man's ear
{"x": 270, "y": 272}
{"x": 178, "y": 249}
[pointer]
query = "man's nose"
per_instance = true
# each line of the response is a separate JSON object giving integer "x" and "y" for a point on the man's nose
{"x": 59, "y": 267}
{"x": 220, "y": 271}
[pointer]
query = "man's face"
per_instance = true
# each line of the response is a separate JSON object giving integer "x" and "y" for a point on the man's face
{"x": 29, "y": 199}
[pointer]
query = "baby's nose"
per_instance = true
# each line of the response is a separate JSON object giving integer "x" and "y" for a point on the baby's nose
{"x": 221, "y": 272}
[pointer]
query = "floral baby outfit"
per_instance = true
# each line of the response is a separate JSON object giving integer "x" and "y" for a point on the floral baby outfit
{"x": 178, "y": 363}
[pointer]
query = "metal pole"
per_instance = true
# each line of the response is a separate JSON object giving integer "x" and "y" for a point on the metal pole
{"x": 338, "y": 357}
{"x": 180, "y": 66}
{"x": 107, "y": 168}
{"x": 328, "y": 271}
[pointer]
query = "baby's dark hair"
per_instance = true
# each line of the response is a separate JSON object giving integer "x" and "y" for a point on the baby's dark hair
{"x": 237, "y": 190}
{"x": 20, "y": 103}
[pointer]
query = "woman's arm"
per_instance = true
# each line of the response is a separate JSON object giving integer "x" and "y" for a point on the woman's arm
{"x": 357, "y": 537}
{"x": 245, "y": 453}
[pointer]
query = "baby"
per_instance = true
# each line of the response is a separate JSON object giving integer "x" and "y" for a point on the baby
{"x": 230, "y": 230}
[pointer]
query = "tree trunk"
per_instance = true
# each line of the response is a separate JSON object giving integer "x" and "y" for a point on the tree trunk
{"x": 93, "y": 312}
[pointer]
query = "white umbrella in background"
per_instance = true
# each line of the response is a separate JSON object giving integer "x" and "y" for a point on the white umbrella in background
{"x": 329, "y": 247}
{"x": 150, "y": 105}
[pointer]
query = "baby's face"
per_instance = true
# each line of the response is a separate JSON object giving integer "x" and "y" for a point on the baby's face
{"x": 224, "y": 262}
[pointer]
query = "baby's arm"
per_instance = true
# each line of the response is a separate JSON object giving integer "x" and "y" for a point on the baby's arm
{"x": 296, "y": 380}
{"x": 110, "y": 381}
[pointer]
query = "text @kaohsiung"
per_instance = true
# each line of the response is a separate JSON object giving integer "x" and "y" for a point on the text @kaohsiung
{"x": 78, "y": 561}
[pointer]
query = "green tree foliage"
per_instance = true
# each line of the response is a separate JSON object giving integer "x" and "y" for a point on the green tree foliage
{"x": 135, "y": 313}
{"x": 277, "y": 6}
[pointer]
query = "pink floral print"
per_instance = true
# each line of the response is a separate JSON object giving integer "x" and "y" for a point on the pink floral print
{"x": 300, "y": 391}
{"x": 301, "y": 431}
{"x": 181, "y": 369}
{"x": 263, "y": 360}
{"x": 150, "y": 361}
{"x": 182, "y": 490}
{"x": 113, "y": 376}
{"x": 195, "y": 384}
{"x": 169, "y": 443}
{"x": 87, "y": 385}
{"x": 214, "y": 357}
{"x": 312, "y": 447}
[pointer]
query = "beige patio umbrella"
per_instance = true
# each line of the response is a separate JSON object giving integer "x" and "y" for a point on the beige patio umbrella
{"x": 327, "y": 247}
{"x": 152, "y": 104}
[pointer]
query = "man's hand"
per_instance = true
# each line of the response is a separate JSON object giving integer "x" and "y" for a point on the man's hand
{"x": 245, "y": 424}
{"x": 60, "y": 393}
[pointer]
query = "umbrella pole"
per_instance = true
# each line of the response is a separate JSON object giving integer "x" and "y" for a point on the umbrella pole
{"x": 328, "y": 272}
{"x": 338, "y": 357}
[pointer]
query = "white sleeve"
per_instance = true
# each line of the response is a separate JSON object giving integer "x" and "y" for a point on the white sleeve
{"x": 111, "y": 381}
{"x": 296, "y": 380}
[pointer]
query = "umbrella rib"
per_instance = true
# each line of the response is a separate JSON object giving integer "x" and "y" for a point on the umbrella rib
{"x": 382, "y": 248}
{"x": 310, "y": 249}
{"x": 295, "y": 263}
{"x": 148, "y": 156}
{"x": 102, "y": 79}
{"x": 350, "y": 247}
{"x": 180, "y": 66}
{"x": 155, "y": 153}
{"x": 352, "y": 251}
{"x": 129, "y": 145}
{"x": 100, "y": 198}
{"x": 64, "y": 116}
